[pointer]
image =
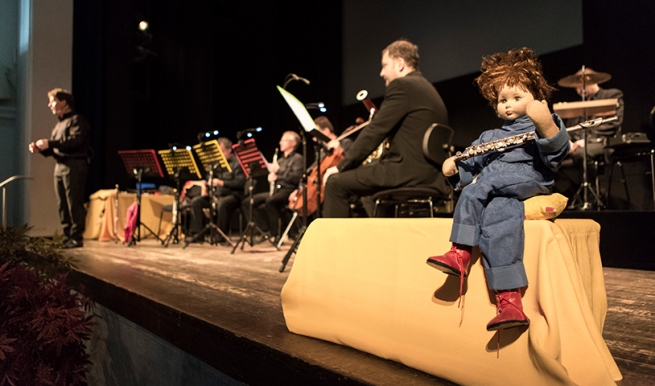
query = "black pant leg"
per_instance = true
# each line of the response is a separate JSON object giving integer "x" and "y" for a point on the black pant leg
{"x": 196, "y": 213}
{"x": 339, "y": 189}
{"x": 70, "y": 185}
{"x": 224, "y": 209}
{"x": 274, "y": 205}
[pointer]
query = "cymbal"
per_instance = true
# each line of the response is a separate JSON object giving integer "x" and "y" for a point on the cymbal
{"x": 589, "y": 78}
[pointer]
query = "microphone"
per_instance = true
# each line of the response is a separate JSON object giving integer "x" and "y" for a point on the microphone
{"x": 296, "y": 77}
{"x": 248, "y": 132}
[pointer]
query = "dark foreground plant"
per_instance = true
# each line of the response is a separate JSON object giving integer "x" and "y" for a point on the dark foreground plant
{"x": 43, "y": 322}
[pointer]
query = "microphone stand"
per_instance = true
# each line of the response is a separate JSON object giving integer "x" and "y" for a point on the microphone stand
{"x": 303, "y": 185}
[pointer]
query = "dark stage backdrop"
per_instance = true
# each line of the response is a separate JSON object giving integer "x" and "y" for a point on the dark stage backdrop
{"x": 211, "y": 64}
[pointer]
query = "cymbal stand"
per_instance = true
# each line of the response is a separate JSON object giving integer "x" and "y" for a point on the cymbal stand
{"x": 585, "y": 188}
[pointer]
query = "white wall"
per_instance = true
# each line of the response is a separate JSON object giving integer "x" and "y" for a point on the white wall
{"x": 45, "y": 62}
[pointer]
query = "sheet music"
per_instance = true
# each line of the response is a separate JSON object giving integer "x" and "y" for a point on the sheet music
{"x": 299, "y": 110}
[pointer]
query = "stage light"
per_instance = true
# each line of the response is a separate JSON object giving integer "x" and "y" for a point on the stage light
{"x": 143, "y": 25}
{"x": 248, "y": 132}
{"x": 320, "y": 106}
{"x": 206, "y": 135}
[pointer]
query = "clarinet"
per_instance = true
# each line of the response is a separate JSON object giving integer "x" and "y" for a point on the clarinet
{"x": 271, "y": 185}
{"x": 503, "y": 144}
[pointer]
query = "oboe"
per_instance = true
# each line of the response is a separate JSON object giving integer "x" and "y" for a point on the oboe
{"x": 116, "y": 214}
{"x": 521, "y": 139}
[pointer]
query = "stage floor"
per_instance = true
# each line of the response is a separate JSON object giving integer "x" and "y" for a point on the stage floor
{"x": 237, "y": 296}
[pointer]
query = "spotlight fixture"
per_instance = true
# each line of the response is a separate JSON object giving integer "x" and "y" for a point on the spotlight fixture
{"x": 320, "y": 106}
{"x": 248, "y": 132}
{"x": 206, "y": 135}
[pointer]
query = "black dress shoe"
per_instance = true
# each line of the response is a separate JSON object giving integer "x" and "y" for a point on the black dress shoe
{"x": 73, "y": 244}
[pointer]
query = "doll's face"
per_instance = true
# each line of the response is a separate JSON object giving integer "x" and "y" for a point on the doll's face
{"x": 512, "y": 102}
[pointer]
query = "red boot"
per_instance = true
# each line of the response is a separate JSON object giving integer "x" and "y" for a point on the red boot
{"x": 454, "y": 262}
{"x": 509, "y": 311}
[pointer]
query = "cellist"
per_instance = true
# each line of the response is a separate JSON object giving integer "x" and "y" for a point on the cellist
{"x": 335, "y": 146}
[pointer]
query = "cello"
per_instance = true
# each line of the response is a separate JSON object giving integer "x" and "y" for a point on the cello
{"x": 327, "y": 162}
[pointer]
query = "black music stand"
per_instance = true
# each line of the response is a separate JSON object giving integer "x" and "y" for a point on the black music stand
{"x": 179, "y": 164}
{"x": 139, "y": 164}
{"x": 309, "y": 126}
{"x": 254, "y": 165}
{"x": 212, "y": 158}
{"x": 320, "y": 141}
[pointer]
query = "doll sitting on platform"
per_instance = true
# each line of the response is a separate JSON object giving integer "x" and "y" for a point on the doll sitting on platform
{"x": 490, "y": 212}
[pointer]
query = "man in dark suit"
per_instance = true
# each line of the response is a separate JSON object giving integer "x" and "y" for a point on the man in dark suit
{"x": 69, "y": 145}
{"x": 411, "y": 104}
{"x": 228, "y": 193}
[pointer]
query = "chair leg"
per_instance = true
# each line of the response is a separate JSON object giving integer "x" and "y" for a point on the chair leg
{"x": 625, "y": 182}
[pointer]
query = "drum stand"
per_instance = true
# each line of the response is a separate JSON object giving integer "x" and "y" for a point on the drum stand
{"x": 585, "y": 188}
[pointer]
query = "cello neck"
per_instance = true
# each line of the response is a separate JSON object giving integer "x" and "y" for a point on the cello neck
{"x": 354, "y": 130}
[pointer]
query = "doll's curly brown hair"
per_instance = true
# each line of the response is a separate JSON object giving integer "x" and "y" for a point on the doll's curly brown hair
{"x": 516, "y": 68}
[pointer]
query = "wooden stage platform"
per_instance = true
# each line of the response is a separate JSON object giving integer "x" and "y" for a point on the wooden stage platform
{"x": 225, "y": 310}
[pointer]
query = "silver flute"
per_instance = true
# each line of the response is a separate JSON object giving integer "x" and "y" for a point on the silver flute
{"x": 521, "y": 139}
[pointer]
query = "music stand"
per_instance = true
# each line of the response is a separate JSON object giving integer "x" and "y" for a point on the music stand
{"x": 309, "y": 126}
{"x": 139, "y": 164}
{"x": 212, "y": 158}
{"x": 179, "y": 164}
{"x": 254, "y": 165}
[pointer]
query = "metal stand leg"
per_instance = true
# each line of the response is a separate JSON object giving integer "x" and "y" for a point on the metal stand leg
{"x": 585, "y": 188}
{"x": 293, "y": 249}
{"x": 286, "y": 231}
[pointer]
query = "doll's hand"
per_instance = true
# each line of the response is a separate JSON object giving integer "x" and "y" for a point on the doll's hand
{"x": 449, "y": 167}
{"x": 540, "y": 115}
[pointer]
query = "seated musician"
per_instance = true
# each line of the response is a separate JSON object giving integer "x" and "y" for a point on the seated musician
{"x": 285, "y": 173}
{"x": 227, "y": 195}
{"x": 569, "y": 175}
{"x": 411, "y": 104}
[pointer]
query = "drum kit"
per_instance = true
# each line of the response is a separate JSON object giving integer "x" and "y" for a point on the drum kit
{"x": 586, "y": 109}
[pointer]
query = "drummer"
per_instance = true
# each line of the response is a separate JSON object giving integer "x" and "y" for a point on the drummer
{"x": 569, "y": 177}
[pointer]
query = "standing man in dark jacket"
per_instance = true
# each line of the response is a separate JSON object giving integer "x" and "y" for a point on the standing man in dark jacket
{"x": 411, "y": 104}
{"x": 227, "y": 194}
{"x": 69, "y": 145}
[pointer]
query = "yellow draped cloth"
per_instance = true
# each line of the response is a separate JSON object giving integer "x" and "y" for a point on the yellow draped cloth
{"x": 364, "y": 283}
{"x": 102, "y": 219}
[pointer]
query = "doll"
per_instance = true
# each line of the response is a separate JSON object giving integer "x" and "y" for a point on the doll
{"x": 490, "y": 213}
